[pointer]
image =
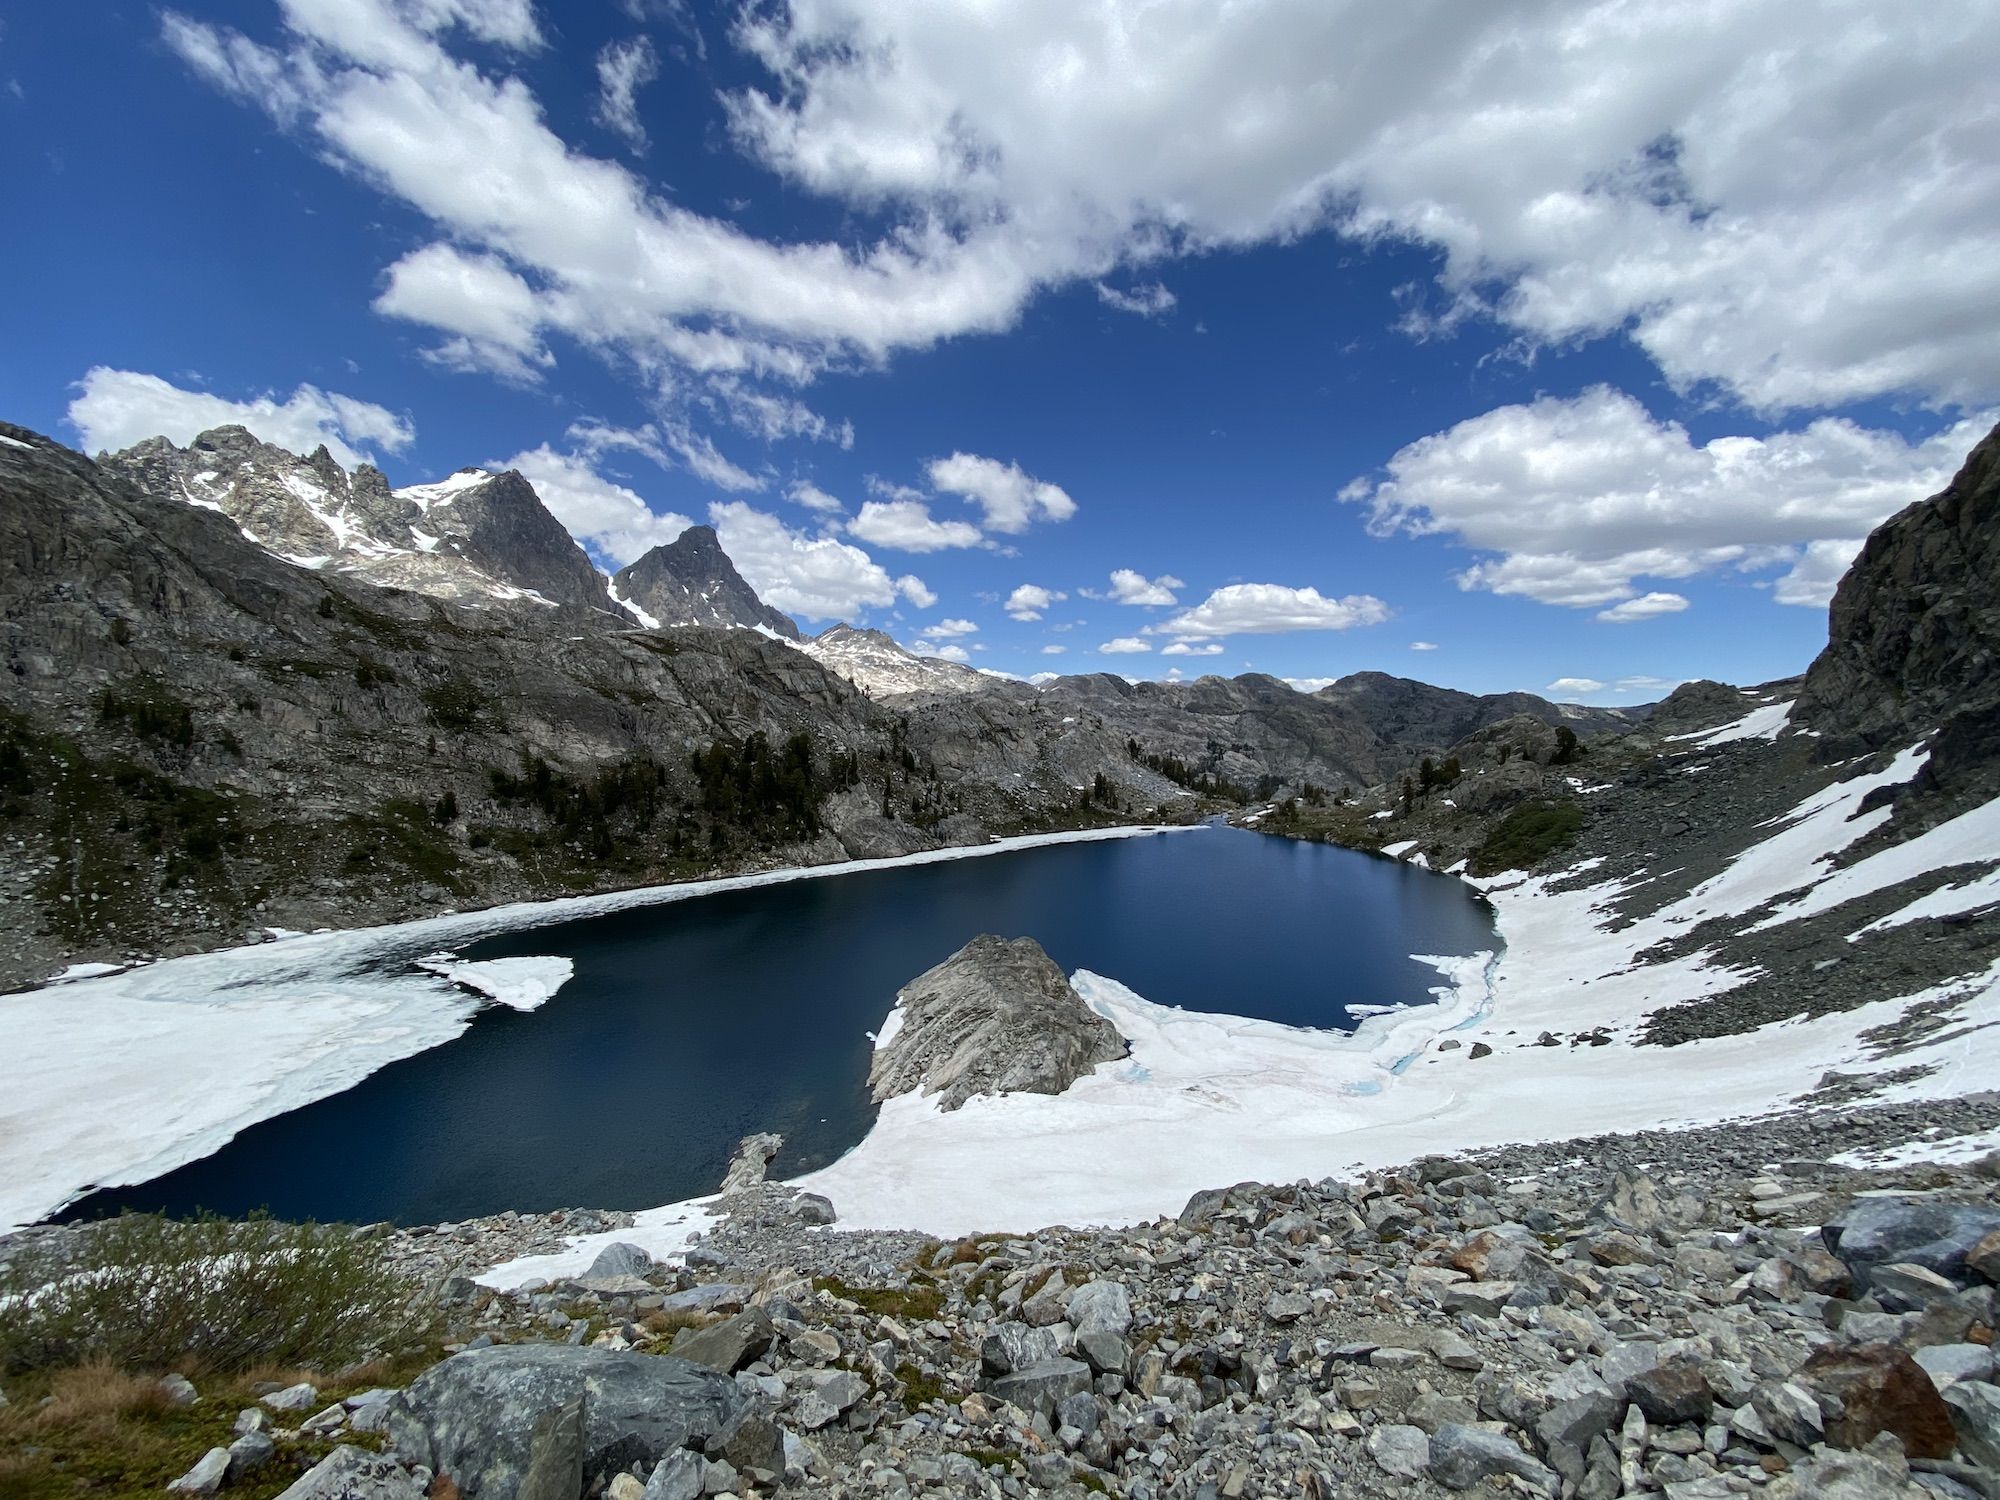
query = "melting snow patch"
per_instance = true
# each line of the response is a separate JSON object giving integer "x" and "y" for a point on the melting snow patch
{"x": 1765, "y": 723}
{"x": 611, "y": 588}
{"x": 425, "y": 496}
{"x": 86, "y": 971}
{"x": 1947, "y": 1150}
{"x": 16, "y": 443}
{"x": 518, "y": 983}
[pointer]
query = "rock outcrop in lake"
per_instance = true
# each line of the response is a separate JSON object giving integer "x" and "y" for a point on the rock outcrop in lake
{"x": 997, "y": 1017}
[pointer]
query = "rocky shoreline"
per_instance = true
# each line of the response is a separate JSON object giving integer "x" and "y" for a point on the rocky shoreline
{"x": 1696, "y": 1314}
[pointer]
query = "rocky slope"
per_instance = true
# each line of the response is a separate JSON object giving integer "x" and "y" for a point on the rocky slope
{"x": 691, "y": 581}
{"x": 1258, "y": 733}
{"x": 879, "y": 666}
{"x": 1698, "y": 824}
{"x": 1697, "y": 1315}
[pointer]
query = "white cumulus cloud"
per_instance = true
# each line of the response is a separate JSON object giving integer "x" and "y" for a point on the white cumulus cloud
{"x": 1817, "y": 573}
{"x": 1580, "y": 497}
{"x": 1271, "y": 609}
{"x": 1692, "y": 177}
{"x": 1010, "y": 499}
{"x": 1029, "y": 600}
{"x": 1126, "y": 645}
{"x": 1644, "y": 607}
{"x": 117, "y": 408}
{"x": 1128, "y": 586}
{"x": 819, "y": 577}
{"x": 1423, "y": 645}
{"x": 909, "y": 526}
{"x": 1574, "y": 687}
{"x": 1192, "y": 648}
{"x": 812, "y": 497}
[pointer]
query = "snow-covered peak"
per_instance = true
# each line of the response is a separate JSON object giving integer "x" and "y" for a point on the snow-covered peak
{"x": 501, "y": 547}
{"x": 881, "y": 668}
{"x": 443, "y": 491}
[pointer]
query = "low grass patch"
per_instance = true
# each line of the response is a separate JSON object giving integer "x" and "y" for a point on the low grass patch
{"x": 918, "y": 1302}
{"x": 104, "y": 1432}
{"x": 664, "y": 1321}
{"x": 919, "y": 1389}
{"x": 151, "y": 1294}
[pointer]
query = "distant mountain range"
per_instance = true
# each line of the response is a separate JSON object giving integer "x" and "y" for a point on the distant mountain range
{"x": 252, "y": 688}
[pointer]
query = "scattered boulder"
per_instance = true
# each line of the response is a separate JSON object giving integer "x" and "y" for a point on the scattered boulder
{"x": 206, "y": 1477}
{"x": 300, "y": 1397}
{"x": 997, "y": 1017}
{"x": 1040, "y": 1388}
{"x": 1401, "y": 1451}
{"x": 1975, "y": 1413}
{"x": 249, "y": 1453}
{"x": 678, "y": 1476}
{"x": 619, "y": 1260}
{"x": 1877, "y": 1388}
{"x": 1933, "y": 1234}
{"x": 350, "y": 1473}
{"x": 1461, "y": 1456}
{"x": 474, "y": 1416}
{"x": 828, "y": 1398}
{"x": 1673, "y": 1392}
{"x": 729, "y": 1345}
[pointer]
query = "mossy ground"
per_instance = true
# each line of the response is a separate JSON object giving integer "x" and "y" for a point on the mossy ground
{"x": 99, "y": 1432}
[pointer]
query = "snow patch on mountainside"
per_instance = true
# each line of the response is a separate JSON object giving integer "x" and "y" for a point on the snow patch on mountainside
{"x": 611, "y": 588}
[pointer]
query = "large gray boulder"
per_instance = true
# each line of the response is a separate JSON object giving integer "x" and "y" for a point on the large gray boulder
{"x": 1932, "y": 1233}
{"x": 997, "y": 1017}
{"x": 475, "y": 1415}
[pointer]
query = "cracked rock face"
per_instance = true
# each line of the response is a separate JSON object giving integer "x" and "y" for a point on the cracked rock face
{"x": 997, "y": 1017}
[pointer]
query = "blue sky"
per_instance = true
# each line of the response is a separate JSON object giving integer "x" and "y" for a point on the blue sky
{"x": 1284, "y": 340}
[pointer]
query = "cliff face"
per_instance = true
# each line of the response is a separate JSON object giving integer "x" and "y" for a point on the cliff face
{"x": 1913, "y": 640}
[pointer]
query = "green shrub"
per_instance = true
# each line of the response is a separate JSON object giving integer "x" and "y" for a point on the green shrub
{"x": 1528, "y": 835}
{"x": 148, "y": 1293}
{"x": 150, "y": 712}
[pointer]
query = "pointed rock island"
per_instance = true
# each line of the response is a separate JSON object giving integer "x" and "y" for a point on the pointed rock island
{"x": 997, "y": 1017}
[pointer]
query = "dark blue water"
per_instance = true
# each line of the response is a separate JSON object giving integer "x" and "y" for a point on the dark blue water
{"x": 689, "y": 1025}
